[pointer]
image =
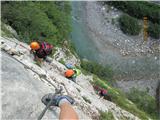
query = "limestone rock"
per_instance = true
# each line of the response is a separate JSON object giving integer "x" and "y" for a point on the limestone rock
{"x": 24, "y": 84}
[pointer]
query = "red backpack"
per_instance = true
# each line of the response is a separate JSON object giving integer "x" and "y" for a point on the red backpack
{"x": 46, "y": 49}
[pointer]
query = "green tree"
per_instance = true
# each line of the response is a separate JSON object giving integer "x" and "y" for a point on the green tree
{"x": 104, "y": 72}
{"x": 106, "y": 116}
{"x": 138, "y": 9}
{"x": 143, "y": 101}
{"x": 129, "y": 25}
{"x": 38, "y": 20}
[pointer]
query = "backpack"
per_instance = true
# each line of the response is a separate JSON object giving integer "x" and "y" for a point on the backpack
{"x": 46, "y": 49}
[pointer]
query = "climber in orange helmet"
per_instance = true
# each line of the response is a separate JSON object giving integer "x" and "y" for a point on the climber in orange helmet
{"x": 41, "y": 50}
{"x": 34, "y": 45}
{"x": 71, "y": 74}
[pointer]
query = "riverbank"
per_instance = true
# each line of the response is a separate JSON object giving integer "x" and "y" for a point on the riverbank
{"x": 102, "y": 20}
{"x": 96, "y": 38}
{"x": 130, "y": 57}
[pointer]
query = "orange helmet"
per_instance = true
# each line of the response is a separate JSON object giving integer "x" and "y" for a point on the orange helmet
{"x": 69, "y": 73}
{"x": 34, "y": 45}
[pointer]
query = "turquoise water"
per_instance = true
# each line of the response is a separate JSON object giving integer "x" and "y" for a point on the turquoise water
{"x": 124, "y": 67}
{"x": 79, "y": 36}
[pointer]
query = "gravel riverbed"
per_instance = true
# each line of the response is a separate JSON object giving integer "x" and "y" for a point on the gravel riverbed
{"x": 103, "y": 22}
{"x": 131, "y": 57}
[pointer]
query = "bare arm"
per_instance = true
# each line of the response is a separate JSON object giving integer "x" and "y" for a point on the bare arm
{"x": 67, "y": 112}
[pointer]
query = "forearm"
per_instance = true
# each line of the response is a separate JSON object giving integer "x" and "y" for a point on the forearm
{"x": 67, "y": 112}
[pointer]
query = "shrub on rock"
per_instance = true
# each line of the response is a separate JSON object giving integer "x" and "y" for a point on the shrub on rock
{"x": 129, "y": 25}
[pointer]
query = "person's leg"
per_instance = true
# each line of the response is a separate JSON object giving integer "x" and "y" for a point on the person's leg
{"x": 67, "y": 112}
{"x": 37, "y": 59}
{"x": 73, "y": 79}
{"x": 48, "y": 59}
{"x": 101, "y": 95}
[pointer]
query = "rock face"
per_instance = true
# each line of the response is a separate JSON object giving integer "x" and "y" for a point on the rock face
{"x": 24, "y": 83}
{"x": 60, "y": 54}
{"x": 21, "y": 92}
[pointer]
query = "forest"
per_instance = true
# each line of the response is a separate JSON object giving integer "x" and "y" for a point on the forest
{"x": 42, "y": 20}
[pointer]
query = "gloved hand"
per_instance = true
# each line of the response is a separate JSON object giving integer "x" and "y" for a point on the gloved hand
{"x": 57, "y": 100}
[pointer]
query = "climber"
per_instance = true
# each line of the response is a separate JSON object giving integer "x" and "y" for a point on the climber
{"x": 41, "y": 50}
{"x": 103, "y": 93}
{"x": 70, "y": 66}
{"x": 72, "y": 74}
{"x": 64, "y": 102}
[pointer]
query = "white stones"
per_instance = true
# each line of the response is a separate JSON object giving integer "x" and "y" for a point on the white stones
{"x": 103, "y": 8}
{"x": 155, "y": 57}
{"x": 133, "y": 61}
{"x": 126, "y": 41}
{"x": 112, "y": 7}
{"x": 115, "y": 16}
{"x": 13, "y": 51}
{"x": 5, "y": 47}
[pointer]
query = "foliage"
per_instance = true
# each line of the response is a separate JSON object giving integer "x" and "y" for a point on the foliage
{"x": 106, "y": 116}
{"x": 144, "y": 102}
{"x": 95, "y": 68}
{"x": 139, "y": 9}
{"x": 120, "y": 99}
{"x": 72, "y": 48}
{"x": 129, "y": 25}
{"x": 113, "y": 21}
{"x": 38, "y": 20}
{"x": 154, "y": 30}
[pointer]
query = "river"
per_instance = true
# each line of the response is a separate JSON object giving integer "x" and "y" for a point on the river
{"x": 83, "y": 43}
